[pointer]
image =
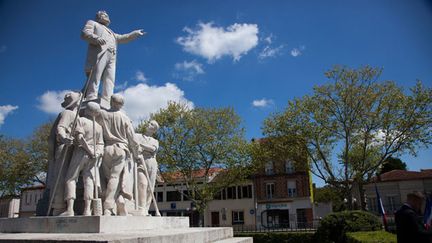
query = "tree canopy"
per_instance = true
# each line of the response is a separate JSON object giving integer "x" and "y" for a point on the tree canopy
{"x": 354, "y": 123}
{"x": 392, "y": 164}
{"x": 195, "y": 141}
{"x": 23, "y": 162}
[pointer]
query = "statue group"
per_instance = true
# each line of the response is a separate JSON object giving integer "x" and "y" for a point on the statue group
{"x": 93, "y": 141}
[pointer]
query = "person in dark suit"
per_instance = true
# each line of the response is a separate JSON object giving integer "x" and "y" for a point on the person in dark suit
{"x": 409, "y": 221}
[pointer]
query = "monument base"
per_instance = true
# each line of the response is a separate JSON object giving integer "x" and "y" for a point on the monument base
{"x": 90, "y": 224}
{"x": 188, "y": 235}
{"x": 119, "y": 229}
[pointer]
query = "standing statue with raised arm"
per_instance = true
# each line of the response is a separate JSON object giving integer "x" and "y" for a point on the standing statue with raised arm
{"x": 102, "y": 53}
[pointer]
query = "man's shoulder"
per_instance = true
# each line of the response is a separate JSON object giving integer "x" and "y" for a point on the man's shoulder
{"x": 91, "y": 22}
{"x": 405, "y": 210}
{"x": 67, "y": 113}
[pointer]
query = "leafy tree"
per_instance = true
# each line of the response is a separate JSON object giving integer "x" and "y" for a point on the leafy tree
{"x": 193, "y": 142}
{"x": 23, "y": 162}
{"x": 331, "y": 194}
{"x": 353, "y": 124}
{"x": 38, "y": 151}
{"x": 13, "y": 166}
{"x": 392, "y": 164}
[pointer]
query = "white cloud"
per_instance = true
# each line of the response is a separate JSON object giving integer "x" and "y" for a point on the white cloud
{"x": 213, "y": 42}
{"x": 50, "y": 101}
{"x": 269, "y": 39}
{"x": 5, "y": 110}
{"x": 295, "y": 52}
{"x": 262, "y": 103}
{"x": 139, "y": 76}
{"x": 3, "y": 48}
{"x": 269, "y": 51}
{"x": 141, "y": 100}
{"x": 188, "y": 70}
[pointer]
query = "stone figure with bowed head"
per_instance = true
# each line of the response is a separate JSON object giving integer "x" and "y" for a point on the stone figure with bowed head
{"x": 85, "y": 160}
{"x": 102, "y": 53}
{"x": 148, "y": 147}
{"x": 60, "y": 138}
{"x": 120, "y": 147}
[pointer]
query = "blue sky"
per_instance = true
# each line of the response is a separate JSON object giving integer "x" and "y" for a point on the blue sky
{"x": 266, "y": 53}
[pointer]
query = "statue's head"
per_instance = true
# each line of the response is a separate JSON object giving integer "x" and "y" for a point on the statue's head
{"x": 117, "y": 102}
{"x": 71, "y": 100}
{"x": 152, "y": 127}
{"x": 92, "y": 109}
{"x": 103, "y": 18}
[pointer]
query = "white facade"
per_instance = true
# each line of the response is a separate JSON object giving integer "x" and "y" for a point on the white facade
{"x": 9, "y": 207}
{"x": 29, "y": 199}
{"x": 235, "y": 205}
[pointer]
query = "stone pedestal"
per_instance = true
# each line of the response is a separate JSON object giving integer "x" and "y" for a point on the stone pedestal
{"x": 127, "y": 229}
{"x": 90, "y": 224}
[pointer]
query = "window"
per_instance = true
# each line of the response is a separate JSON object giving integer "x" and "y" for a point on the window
{"x": 270, "y": 189}
{"x": 289, "y": 167}
{"x": 159, "y": 196}
{"x": 224, "y": 194}
{"x": 269, "y": 168}
{"x": 391, "y": 204}
{"x": 173, "y": 196}
{"x": 231, "y": 192}
{"x": 186, "y": 195}
{"x": 237, "y": 217}
{"x": 301, "y": 218}
{"x": 246, "y": 191}
{"x": 372, "y": 204}
{"x": 218, "y": 196}
{"x": 292, "y": 189}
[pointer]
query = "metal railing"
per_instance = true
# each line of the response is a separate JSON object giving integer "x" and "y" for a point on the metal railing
{"x": 291, "y": 227}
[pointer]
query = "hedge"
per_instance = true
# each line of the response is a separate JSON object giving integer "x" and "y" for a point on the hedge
{"x": 280, "y": 237}
{"x": 371, "y": 237}
{"x": 333, "y": 227}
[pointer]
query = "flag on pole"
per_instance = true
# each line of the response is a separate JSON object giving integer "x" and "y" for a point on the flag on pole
{"x": 428, "y": 212}
{"x": 381, "y": 209}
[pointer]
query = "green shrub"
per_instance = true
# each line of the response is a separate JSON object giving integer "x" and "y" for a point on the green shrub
{"x": 371, "y": 237}
{"x": 280, "y": 237}
{"x": 333, "y": 227}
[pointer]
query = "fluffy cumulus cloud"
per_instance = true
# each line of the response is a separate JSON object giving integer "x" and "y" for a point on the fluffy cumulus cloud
{"x": 212, "y": 42}
{"x": 50, "y": 101}
{"x": 139, "y": 76}
{"x": 5, "y": 110}
{"x": 141, "y": 100}
{"x": 188, "y": 70}
{"x": 262, "y": 103}
{"x": 295, "y": 52}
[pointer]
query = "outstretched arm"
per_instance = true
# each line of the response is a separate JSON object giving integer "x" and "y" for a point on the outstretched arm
{"x": 130, "y": 36}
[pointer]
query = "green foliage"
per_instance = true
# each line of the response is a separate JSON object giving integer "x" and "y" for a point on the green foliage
{"x": 283, "y": 237}
{"x": 333, "y": 227}
{"x": 392, "y": 164}
{"x": 371, "y": 237}
{"x": 328, "y": 194}
{"x": 23, "y": 162}
{"x": 351, "y": 125}
{"x": 200, "y": 139}
{"x": 14, "y": 161}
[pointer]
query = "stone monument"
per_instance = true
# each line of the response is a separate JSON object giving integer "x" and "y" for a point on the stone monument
{"x": 95, "y": 139}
